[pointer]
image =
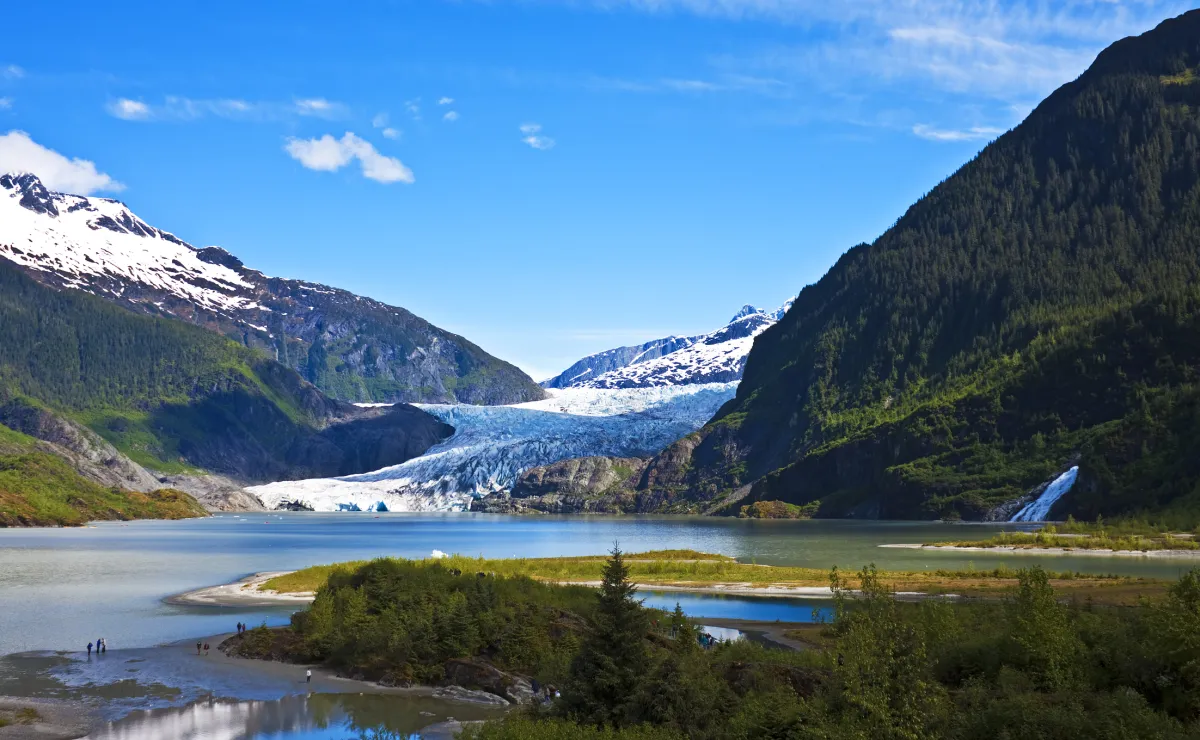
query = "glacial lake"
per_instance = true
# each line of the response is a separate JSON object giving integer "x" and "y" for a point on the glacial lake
{"x": 63, "y": 588}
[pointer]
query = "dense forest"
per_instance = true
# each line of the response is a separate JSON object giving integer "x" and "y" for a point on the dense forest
{"x": 1039, "y": 307}
{"x": 1027, "y": 666}
{"x": 175, "y": 397}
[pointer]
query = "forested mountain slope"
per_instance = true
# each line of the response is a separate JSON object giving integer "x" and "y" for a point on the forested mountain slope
{"x": 1040, "y": 304}
{"x": 177, "y": 398}
{"x": 349, "y": 346}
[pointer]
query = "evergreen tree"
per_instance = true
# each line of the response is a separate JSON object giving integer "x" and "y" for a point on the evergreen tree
{"x": 613, "y": 659}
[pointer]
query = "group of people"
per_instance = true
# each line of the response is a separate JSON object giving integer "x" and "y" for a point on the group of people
{"x": 201, "y": 645}
{"x": 241, "y": 627}
{"x": 100, "y": 646}
{"x": 544, "y": 694}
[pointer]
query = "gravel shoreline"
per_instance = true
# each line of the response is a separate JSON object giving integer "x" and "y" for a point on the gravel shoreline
{"x": 57, "y": 719}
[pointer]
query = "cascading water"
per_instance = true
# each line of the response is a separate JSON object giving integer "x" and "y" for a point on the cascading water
{"x": 1039, "y": 509}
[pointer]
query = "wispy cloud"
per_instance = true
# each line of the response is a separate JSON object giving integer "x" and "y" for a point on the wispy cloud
{"x": 450, "y": 116}
{"x": 320, "y": 108}
{"x": 5, "y": 103}
{"x": 11, "y": 72}
{"x": 129, "y": 110}
{"x": 445, "y": 101}
{"x": 413, "y": 108}
{"x": 20, "y": 153}
{"x": 391, "y": 133}
{"x": 533, "y": 136}
{"x": 380, "y": 121}
{"x": 328, "y": 154}
{"x": 178, "y": 108}
{"x": 974, "y": 133}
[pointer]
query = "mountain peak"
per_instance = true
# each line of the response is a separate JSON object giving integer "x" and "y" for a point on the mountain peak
{"x": 745, "y": 311}
{"x": 34, "y": 194}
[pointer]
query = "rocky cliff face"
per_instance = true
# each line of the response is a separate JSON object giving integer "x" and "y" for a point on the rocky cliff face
{"x": 351, "y": 347}
{"x": 579, "y": 485}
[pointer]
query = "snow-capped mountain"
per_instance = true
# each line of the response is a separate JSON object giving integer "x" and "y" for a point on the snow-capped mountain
{"x": 491, "y": 446}
{"x": 717, "y": 357}
{"x": 351, "y": 347}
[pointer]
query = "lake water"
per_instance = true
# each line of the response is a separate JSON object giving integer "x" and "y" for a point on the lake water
{"x": 62, "y": 588}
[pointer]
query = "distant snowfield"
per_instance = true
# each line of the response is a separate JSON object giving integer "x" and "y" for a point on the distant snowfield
{"x": 493, "y": 445}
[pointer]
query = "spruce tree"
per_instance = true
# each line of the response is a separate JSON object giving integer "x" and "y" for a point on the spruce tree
{"x": 613, "y": 659}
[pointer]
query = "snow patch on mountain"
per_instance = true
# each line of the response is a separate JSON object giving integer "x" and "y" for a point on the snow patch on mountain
{"x": 717, "y": 357}
{"x": 78, "y": 237}
{"x": 493, "y": 445}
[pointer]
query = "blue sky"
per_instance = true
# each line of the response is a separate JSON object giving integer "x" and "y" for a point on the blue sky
{"x": 547, "y": 178}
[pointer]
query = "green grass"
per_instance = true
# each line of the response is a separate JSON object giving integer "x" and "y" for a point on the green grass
{"x": 696, "y": 569}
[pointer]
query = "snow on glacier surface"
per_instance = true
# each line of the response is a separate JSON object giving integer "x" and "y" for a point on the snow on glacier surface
{"x": 492, "y": 445}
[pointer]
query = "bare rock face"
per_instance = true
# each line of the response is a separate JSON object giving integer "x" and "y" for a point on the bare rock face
{"x": 214, "y": 492}
{"x": 585, "y": 484}
{"x": 478, "y": 675}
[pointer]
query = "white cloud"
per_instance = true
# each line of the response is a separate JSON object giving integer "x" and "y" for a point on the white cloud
{"x": 450, "y": 116}
{"x": 11, "y": 72}
{"x": 129, "y": 110}
{"x": 328, "y": 154}
{"x": 5, "y": 103}
{"x": 391, "y": 133}
{"x": 534, "y": 137}
{"x": 319, "y": 107}
{"x": 380, "y": 120}
{"x": 20, "y": 153}
{"x": 445, "y": 101}
{"x": 413, "y": 108}
{"x": 975, "y": 133}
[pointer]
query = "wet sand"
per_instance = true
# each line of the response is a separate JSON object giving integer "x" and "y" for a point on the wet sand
{"x": 1012, "y": 550}
{"x": 244, "y": 593}
{"x": 56, "y": 719}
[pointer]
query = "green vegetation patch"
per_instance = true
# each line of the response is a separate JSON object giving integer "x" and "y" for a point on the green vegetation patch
{"x": 40, "y": 489}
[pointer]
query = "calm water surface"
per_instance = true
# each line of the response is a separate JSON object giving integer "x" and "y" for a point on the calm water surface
{"x": 61, "y": 588}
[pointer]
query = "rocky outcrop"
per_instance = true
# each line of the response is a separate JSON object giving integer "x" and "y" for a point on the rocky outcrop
{"x": 481, "y": 676}
{"x": 579, "y": 485}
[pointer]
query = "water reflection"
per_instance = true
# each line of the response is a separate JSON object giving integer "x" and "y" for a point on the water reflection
{"x": 294, "y": 718}
{"x": 757, "y": 608}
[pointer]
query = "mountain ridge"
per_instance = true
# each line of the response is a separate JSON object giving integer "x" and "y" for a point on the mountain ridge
{"x": 351, "y": 347}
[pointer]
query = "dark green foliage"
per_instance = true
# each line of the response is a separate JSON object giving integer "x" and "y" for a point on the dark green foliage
{"x": 401, "y": 621}
{"x": 613, "y": 659}
{"x": 1039, "y": 304}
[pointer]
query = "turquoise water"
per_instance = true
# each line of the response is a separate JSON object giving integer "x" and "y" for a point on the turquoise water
{"x": 62, "y": 588}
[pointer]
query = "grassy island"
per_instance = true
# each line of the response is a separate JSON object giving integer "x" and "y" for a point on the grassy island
{"x": 594, "y": 663}
{"x": 699, "y": 570}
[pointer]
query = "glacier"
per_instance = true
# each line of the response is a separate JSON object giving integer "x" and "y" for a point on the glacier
{"x": 493, "y": 445}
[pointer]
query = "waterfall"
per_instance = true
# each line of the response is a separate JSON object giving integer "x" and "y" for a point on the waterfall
{"x": 1037, "y": 510}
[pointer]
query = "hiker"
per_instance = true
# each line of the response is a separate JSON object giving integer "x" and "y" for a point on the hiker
{"x": 103, "y": 645}
{"x": 206, "y": 648}
{"x": 89, "y": 649}
{"x": 198, "y": 646}
{"x": 308, "y": 676}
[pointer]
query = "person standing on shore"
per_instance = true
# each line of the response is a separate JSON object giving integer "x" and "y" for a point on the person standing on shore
{"x": 198, "y": 646}
{"x": 89, "y": 650}
{"x": 308, "y": 676}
